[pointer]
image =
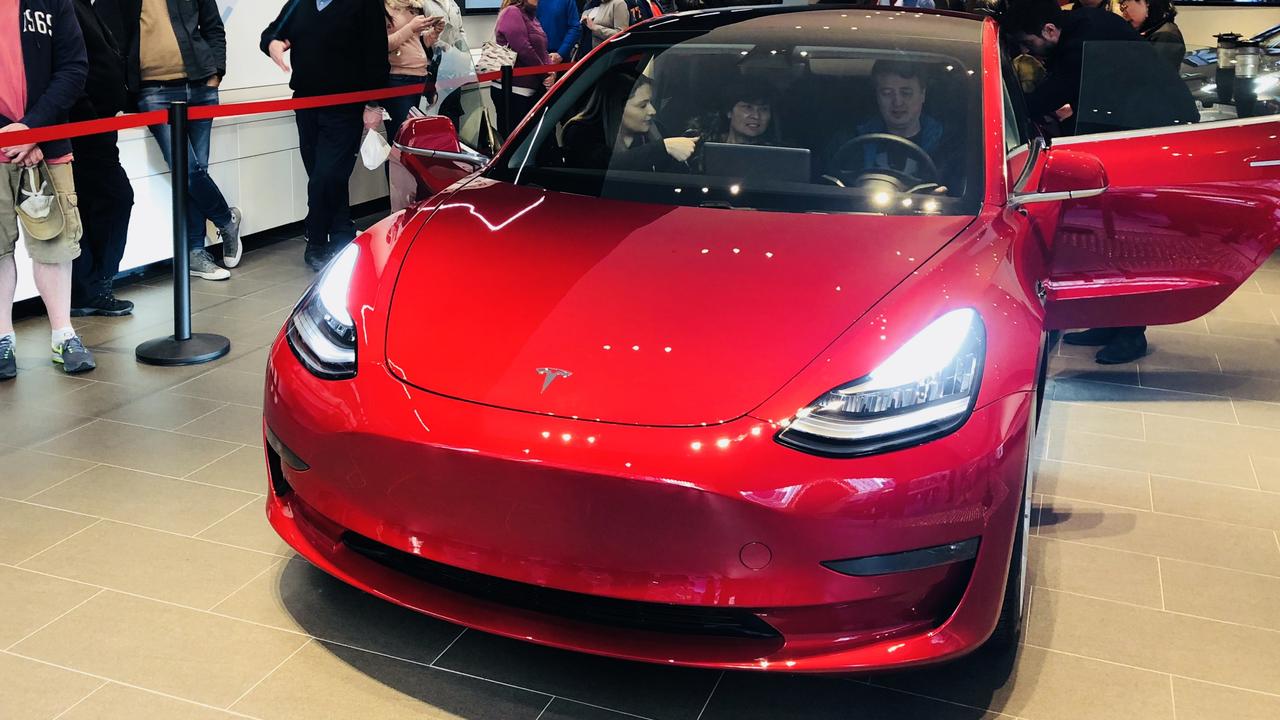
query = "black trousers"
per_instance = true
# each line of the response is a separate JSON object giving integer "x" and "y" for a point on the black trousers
{"x": 521, "y": 105}
{"x": 328, "y": 139}
{"x": 106, "y": 203}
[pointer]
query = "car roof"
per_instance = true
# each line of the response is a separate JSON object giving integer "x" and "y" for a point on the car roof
{"x": 807, "y": 22}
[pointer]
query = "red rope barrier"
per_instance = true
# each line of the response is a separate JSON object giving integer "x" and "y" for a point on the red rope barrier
{"x": 209, "y": 112}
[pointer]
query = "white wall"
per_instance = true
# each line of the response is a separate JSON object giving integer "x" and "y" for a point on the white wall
{"x": 1200, "y": 24}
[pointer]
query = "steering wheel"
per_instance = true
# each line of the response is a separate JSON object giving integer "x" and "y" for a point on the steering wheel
{"x": 896, "y": 179}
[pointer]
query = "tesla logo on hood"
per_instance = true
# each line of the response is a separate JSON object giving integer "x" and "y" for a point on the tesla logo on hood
{"x": 549, "y": 376}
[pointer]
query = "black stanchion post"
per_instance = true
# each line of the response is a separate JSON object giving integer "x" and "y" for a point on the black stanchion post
{"x": 508, "y": 84}
{"x": 182, "y": 347}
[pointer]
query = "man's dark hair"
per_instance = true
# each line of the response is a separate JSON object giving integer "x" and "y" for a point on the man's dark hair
{"x": 1159, "y": 12}
{"x": 901, "y": 68}
{"x": 1030, "y": 16}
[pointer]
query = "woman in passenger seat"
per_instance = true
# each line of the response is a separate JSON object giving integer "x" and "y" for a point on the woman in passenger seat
{"x": 615, "y": 130}
{"x": 744, "y": 118}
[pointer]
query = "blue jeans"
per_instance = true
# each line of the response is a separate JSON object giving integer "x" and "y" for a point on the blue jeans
{"x": 204, "y": 199}
{"x": 398, "y": 108}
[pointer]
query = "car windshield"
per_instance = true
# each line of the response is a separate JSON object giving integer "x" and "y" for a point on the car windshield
{"x": 786, "y": 112}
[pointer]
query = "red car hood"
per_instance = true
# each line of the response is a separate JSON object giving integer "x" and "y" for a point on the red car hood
{"x": 656, "y": 315}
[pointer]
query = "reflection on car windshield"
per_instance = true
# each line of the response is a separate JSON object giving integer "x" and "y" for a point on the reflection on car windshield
{"x": 755, "y": 116}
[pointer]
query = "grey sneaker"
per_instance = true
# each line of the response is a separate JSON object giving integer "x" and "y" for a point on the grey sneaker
{"x": 73, "y": 357}
{"x": 8, "y": 362}
{"x": 203, "y": 266}
{"x": 231, "y": 247}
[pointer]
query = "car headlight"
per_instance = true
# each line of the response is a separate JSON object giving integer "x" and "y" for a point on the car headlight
{"x": 321, "y": 331}
{"x": 923, "y": 391}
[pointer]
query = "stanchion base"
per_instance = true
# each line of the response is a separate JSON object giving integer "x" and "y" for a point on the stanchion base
{"x": 201, "y": 348}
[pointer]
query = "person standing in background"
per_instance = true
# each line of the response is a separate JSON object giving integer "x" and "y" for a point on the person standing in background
{"x": 42, "y": 73}
{"x": 1153, "y": 19}
{"x": 562, "y": 22}
{"x": 104, "y": 192}
{"x": 518, "y": 28}
{"x": 411, "y": 36}
{"x": 177, "y": 51}
{"x": 336, "y": 46}
{"x": 452, "y": 33}
{"x": 609, "y": 19}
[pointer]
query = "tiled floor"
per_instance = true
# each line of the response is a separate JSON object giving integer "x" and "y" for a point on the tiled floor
{"x": 138, "y": 577}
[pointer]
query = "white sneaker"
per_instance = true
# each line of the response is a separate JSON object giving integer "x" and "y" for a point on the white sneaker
{"x": 203, "y": 266}
{"x": 232, "y": 248}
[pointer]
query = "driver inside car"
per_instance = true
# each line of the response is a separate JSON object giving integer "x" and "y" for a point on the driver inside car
{"x": 900, "y": 92}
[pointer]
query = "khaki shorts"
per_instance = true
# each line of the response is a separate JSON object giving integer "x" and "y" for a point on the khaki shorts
{"x": 63, "y": 248}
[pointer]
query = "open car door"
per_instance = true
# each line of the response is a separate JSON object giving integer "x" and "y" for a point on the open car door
{"x": 1188, "y": 214}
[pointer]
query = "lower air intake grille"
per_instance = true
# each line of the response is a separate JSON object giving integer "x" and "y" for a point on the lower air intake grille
{"x": 655, "y": 617}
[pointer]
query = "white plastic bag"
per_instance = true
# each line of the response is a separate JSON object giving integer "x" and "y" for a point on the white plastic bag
{"x": 374, "y": 150}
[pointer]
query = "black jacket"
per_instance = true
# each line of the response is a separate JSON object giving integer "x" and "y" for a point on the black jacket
{"x": 338, "y": 50}
{"x": 105, "y": 93}
{"x": 1111, "y": 77}
{"x": 1166, "y": 37}
{"x": 54, "y": 60}
{"x": 196, "y": 23}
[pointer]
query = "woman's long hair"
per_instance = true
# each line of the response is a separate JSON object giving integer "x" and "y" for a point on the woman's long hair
{"x": 608, "y": 101}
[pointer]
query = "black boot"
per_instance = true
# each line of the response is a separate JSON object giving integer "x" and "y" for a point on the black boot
{"x": 1128, "y": 345}
{"x": 1094, "y": 337}
{"x": 316, "y": 255}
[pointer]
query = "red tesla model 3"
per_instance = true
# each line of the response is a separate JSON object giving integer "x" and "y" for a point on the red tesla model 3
{"x": 659, "y": 382}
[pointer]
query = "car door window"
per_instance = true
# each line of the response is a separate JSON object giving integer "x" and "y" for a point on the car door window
{"x": 1145, "y": 85}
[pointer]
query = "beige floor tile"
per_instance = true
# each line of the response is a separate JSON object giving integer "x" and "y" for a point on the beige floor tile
{"x": 615, "y": 684}
{"x": 26, "y": 529}
{"x": 161, "y": 647}
{"x": 153, "y": 564}
{"x": 34, "y": 691}
{"x": 1044, "y": 685}
{"x": 1268, "y": 281}
{"x": 145, "y": 449}
{"x": 1202, "y": 541}
{"x": 94, "y": 399}
{"x": 335, "y": 681}
{"x": 1268, "y": 472}
{"x": 1097, "y": 484}
{"x": 249, "y": 308}
{"x": 27, "y": 473}
{"x": 1198, "y": 327}
{"x": 1095, "y": 571}
{"x": 1192, "y": 462}
{"x": 1202, "y": 701}
{"x": 229, "y": 385}
{"x": 1220, "y": 594}
{"x": 244, "y": 469}
{"x": 1258, "y": 414}
{"x": 26, "y": 427}
{"x": 118, "y": 702}
{"x": 1243, "y": 307}
{"x": 254, "y": 361}
{"x": 31, "y": 600}
{"x": 152, "y": 500}
{"x": 233, "y": 423}
{"x": 1083, "y": 417}
{"x": 1224, "y": 437}
{"x": 1144, "y": 399}
{"x": 1240, "y": 506}
{"x": 162, "y": 410}
{"x": 248, "y": 528}
{"x": 296, "y": 596}
{"x": 1233, "y": 386}
{"x": 1155, "y": 640}
{"x": 1242, "y": 329}
{"x": 37, "y": 380}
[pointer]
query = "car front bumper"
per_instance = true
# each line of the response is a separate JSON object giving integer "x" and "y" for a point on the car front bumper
{"x": 688, "y": 546}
